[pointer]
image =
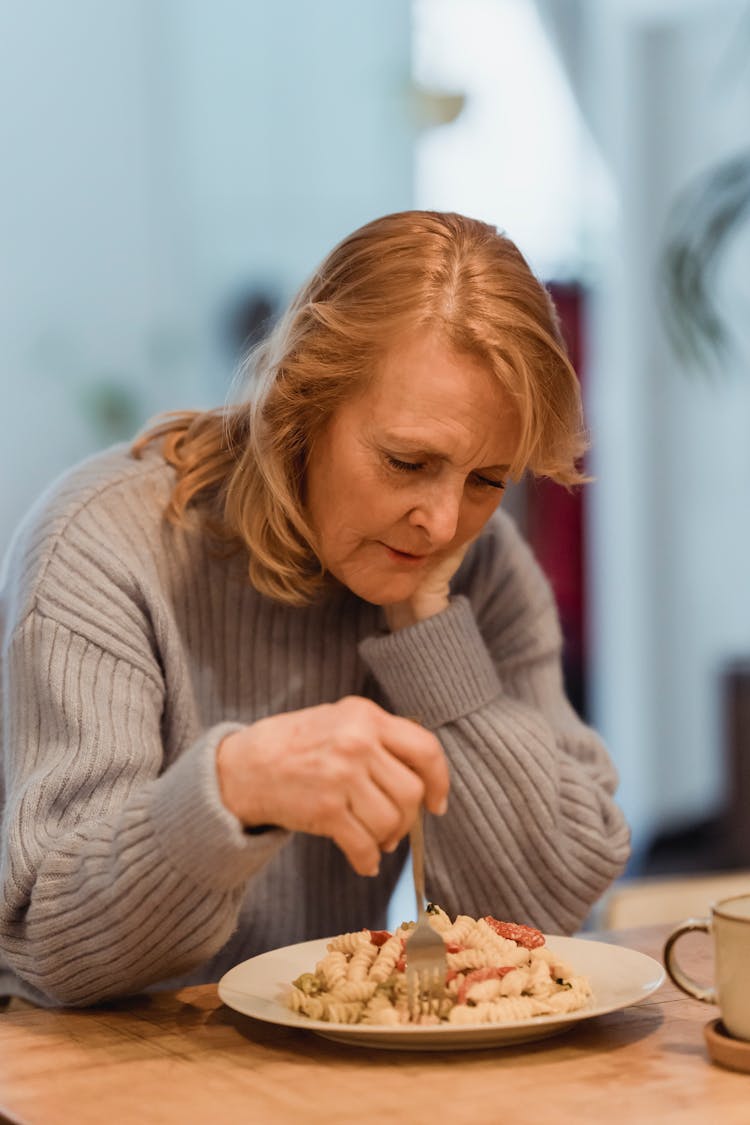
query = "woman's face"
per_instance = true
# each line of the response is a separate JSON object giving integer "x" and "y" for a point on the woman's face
{"x": 410, "y": 470}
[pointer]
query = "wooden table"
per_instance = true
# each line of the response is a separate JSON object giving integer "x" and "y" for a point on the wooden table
{"x": 184, "y": 1057}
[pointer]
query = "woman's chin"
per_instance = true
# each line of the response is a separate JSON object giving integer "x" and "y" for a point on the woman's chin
{"x": 379, "y": 590}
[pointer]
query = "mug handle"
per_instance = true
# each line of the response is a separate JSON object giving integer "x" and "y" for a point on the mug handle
{"x": 681, "y": 979}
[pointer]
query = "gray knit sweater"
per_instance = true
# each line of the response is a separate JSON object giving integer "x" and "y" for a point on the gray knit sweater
{"x": 129, "y": 650}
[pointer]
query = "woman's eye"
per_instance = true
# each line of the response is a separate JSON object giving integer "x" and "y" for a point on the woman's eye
{"x": 477, "y": 479}
{"x": 485, "y": 482}
{"x": 404, "y": 466}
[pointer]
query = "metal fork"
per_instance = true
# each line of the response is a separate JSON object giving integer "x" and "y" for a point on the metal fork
{"x": 425, "y": 949}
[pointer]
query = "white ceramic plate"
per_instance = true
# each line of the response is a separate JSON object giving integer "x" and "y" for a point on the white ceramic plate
{"x": 618, "y": 976}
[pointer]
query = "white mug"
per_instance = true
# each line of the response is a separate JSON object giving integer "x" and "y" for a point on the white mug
{"x": 730, "y": 926}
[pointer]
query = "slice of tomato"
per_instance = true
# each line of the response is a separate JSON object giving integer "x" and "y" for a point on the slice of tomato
{"x": 526, "y": 936}
{"x": 379, "y": 937}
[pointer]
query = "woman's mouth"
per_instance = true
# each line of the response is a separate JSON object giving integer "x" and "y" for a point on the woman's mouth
{"x": 405, "y": 557}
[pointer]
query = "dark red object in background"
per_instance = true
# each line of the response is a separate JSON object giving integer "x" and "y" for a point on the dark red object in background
{"x": 555, "y": 524}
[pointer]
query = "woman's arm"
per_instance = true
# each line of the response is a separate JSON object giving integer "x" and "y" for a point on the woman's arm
{"x": 117, "y": 869}
{"x": 532, "y": 831}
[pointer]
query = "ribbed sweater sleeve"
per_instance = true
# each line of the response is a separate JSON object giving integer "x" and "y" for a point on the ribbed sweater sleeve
{"x": 102, "y": 838}
{"x": 532, "y": 829}
{"x": 120, "y": 864}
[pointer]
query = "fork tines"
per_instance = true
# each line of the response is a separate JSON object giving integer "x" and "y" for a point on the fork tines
{"x": 425, "y": 989}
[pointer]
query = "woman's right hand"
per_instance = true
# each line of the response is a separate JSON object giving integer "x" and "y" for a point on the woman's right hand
{"x": 348, "y": 770}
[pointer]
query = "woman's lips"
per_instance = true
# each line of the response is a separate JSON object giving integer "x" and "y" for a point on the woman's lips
{"x": 404, "y": 556}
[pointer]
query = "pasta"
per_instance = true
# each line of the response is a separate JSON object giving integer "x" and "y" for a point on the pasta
{"x": 497, "y": 972}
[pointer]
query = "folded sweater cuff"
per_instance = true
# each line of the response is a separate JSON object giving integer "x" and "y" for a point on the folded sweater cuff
{"x": 437, "y": 670}
{"x": 197, "y": 833}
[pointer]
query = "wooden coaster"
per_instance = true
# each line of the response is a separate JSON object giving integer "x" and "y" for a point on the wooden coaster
{"x": 725, "y": 1050}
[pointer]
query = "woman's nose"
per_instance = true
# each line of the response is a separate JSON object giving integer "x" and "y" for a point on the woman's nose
{"x": 438, "y": 514}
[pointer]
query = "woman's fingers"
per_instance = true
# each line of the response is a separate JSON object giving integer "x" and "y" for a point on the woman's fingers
{"x": 365, "y": 724}
{"x": 388, "y": 799}
{"x": 357, "y": 843}
{"x": 421, "y": 751}
{"x": 404, "y": 788}
{"x": 406, "y": 740}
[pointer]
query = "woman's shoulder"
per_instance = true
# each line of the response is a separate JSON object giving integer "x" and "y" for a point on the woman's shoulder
{"x": 92, "y": 507}
{"x": 112, "y": 480}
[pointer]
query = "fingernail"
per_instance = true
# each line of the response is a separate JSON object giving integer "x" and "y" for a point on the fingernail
{"x": 374, "y": 871}
{"x": 443, "y": 807}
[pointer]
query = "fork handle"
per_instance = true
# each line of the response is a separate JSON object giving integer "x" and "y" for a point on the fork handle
{"x": 416, "y": 841}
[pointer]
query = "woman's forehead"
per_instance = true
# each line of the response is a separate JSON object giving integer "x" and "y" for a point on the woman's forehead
{"x": 464, "y": 441}
{"x": 461, "y": 416}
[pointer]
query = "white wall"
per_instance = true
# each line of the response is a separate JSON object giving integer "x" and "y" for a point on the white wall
{"x": 157, "y": 155}
{"x": 669, "y": 513}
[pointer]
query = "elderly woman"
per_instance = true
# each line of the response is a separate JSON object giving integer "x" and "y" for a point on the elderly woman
{"x": 238, "y": 657}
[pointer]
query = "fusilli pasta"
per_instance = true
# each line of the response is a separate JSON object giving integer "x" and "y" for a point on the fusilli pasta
{"x": 497, "y": 972}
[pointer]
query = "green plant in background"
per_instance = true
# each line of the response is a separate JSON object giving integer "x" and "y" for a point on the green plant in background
{"x": 705, "y": 219}
{"x": 111, "y": 406}
{"x": 706, "y": 216}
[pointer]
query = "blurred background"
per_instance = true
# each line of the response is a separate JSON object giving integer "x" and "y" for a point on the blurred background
{"x": 172, "y": 170}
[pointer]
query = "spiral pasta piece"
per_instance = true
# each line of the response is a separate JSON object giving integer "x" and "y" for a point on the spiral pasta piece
{"x": 333, "y": 969}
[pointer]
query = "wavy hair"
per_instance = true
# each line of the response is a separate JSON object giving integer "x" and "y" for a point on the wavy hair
{"x": 244, "y": 465}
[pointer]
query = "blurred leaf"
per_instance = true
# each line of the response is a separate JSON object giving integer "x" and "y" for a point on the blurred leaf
{"x": 700, "y": 228}
{"x": 111, "y": 406}
{"x": 705, "y": 217}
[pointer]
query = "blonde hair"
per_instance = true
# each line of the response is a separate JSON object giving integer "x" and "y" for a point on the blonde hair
{"x": 244, "y": 464}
